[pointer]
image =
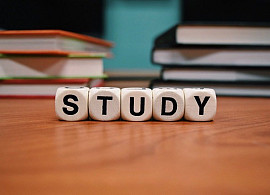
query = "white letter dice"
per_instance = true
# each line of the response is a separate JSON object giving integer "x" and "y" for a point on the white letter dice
{"x": 200, "y": 104}
{"x": 136, "y": 104}
{"x": 104, "y": 103}
{"x": 71, "y": 104}
{"x": 168, "y": 104}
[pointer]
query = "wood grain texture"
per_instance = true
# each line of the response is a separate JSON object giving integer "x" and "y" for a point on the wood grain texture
{"x": 41, "y": 155}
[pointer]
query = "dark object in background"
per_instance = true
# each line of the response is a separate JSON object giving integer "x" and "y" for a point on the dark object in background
{"x": 227, "y": 28}
{"x": 226, "y": 11}
{"x": 170, "y": 53}
{"x": 81, "y": 16}
{"x": 246, "y": 89}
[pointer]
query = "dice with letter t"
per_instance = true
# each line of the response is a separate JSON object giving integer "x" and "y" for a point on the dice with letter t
{"x": 71, "y": 103}
{"x": 200, "y": 104}
{"x": 136, "y": 104}
{"x": 104, "y": 103}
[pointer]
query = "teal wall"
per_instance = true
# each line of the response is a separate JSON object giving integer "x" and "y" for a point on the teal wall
{"x": 132, "y": 25}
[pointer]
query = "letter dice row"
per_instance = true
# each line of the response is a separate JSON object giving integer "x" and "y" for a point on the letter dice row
{"x": 135, "y": 104}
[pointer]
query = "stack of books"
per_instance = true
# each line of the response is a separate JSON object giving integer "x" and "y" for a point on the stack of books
{"x": 234, "y": 60}
{"x": 34, "y": 63}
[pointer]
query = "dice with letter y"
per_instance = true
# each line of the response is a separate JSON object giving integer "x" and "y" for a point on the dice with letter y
{"x": 200, "y": 104}
{"x": 71, "y": 103}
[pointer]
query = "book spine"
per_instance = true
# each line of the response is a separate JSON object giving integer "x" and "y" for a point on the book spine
{"x": 166, "y": 39}
{"x": 180, "y": 64}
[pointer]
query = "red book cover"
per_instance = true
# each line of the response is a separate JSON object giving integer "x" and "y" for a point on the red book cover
{"x": 52, "y": 42}
{"x": 45, "y": 82}
{"x": 56, "y": 32}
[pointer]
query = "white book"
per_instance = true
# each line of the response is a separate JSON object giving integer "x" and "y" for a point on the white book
{"x": 214, "y": 74}
{"x": 212, "y": 57}
{"x": 42, "y": 87}
{"x": 50, "y": 66}
{"x": 224, "y": 35}
{"x": 49, "y": 41}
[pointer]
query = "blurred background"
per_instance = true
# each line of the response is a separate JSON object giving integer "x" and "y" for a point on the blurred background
{"x": 134, "y": 25}
{"x": 131, "y": 24}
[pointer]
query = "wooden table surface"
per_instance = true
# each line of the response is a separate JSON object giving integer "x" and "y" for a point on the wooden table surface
{"x": 41, "y": 155}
